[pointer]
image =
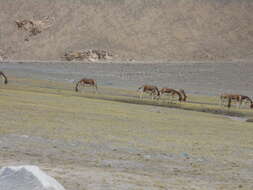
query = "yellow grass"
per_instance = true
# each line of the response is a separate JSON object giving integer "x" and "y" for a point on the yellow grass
{"x": 107, "y": 119}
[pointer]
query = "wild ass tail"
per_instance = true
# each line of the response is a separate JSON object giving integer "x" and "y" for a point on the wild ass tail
{"x": 77, "y": 86}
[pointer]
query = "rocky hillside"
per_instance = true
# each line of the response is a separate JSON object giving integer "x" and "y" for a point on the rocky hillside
{"x": 128, "y": 29}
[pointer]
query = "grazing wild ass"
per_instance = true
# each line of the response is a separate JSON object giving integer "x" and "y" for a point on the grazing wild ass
{"x": 172, "y": 92}
{"x": 150, "y": 89}
{"x": 238, "y": 98}
{"x": 86, "y": 82}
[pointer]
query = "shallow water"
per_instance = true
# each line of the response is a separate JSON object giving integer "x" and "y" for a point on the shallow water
{"x": 204, "y": 78}
{"x": 236, "y": 118}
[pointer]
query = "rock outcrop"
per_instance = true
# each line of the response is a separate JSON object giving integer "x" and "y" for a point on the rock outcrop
{"x": 27, "y": 178}
{"x": 33, "y": 27}
{"x": 90, "y": 54}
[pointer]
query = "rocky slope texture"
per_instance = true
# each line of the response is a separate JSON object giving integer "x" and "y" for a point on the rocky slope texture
{"x": 130, "y": 29}
{"x": 91, "y": 55}
{"x": 27, "y": 178}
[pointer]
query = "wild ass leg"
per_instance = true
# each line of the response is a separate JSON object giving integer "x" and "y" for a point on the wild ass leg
{"x": 94, "y": 89}
{"x": 170, "y": 98}
{"x": 229, "y": 102}
{"x": 141, "y": 94}
{"x": 221, "y": 102}
{"x": 239, "y": 103}
{"x": 152, "y": 95}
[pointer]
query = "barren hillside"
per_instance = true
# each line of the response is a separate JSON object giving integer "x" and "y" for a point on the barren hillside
{"x": 130, "y": 29}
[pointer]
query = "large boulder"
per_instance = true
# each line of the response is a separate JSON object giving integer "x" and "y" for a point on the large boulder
{"x": 27, "y": 178}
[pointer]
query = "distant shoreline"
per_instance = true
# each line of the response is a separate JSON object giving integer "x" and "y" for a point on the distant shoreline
{"x": 125, "y": 62}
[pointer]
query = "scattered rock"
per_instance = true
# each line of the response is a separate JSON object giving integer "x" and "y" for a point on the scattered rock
{"x": 147, "y": 157}
{"x": 33, "y": 27}
{"x": 90, "y": 54}
{"x": 24, "y": 24}
{"x": 27, "y": 178}
{"x": 250, "y": 120}
{"x": 2, "y": 55}
{"x": 185, "y": 155}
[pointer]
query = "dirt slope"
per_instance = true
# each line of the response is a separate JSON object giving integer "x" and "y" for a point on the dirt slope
{"x": 131, "y": 29}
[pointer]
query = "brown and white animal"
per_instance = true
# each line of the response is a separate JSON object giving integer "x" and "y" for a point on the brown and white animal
{"x": 238, "y": 98}
{"x": 4, "y": 77}
{"x": 150, "y": 89}
{"x": 86, "y": 82}
{"x": 172, "y": 92}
